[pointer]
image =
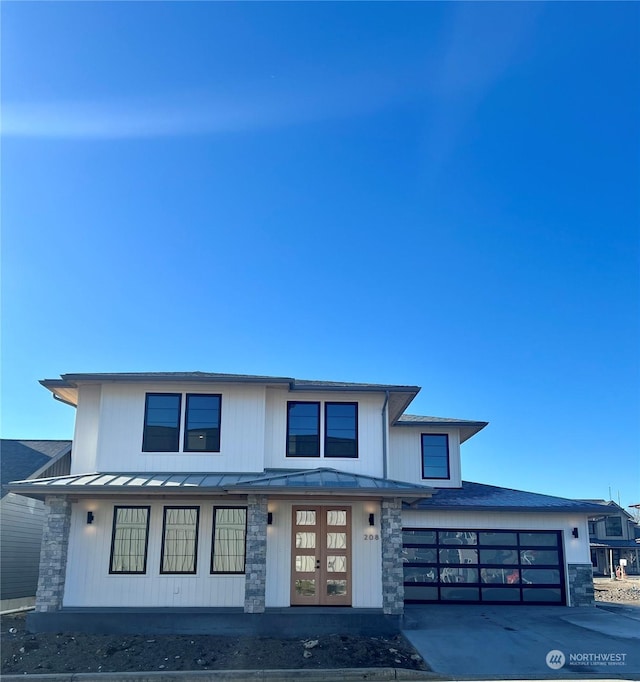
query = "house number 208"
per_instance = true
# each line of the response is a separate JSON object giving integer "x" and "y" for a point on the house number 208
{"x": 372, "y": 537}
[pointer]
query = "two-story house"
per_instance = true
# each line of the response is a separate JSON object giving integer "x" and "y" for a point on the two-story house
{"x": 250, "y": 493}
{"x": 613, "y": 537}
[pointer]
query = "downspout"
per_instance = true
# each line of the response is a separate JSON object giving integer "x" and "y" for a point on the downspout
{"x": 384, "y": 434}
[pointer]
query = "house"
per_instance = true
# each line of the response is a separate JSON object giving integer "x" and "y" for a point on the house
{"x": 244, "y": 494}
{"x": 22, "y": 518}
{"x": 613, "y": 537}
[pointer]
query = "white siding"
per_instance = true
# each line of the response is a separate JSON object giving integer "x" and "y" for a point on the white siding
{"x": 405, "y": 455}
{"x": 369, "y": 461}
{"x": 85, "y": 440}
{"x": 122, "y": 421}
{"x": 366, "y": 569}
{"x": 88, "y": 582}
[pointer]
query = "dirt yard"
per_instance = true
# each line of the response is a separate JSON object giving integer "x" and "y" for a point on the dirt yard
{"x": 618, "y": 591}
{"x": 64, "y": 653}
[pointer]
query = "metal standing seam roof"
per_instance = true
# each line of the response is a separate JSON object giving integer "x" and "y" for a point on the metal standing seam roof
{"x": 314, "y": 480}
{"x": 482, "y": 497}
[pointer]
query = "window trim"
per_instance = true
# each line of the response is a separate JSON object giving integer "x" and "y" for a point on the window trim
{"x": 213, "y": 540}
{"x": 435, "y": 478}
{"x": 326, "y": 422}
{"x": 113, "y": 539}
{"x": 195, "y": 546}
{"x": 303, "y": 402}
{"x": 185, "y": 436}
{"x": 144, "y": 423}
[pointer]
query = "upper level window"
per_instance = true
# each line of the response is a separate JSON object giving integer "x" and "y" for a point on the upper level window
{"x": 202, "y": 423}
{"x": 303, "y": 429}
{"x": 340, "y": 429}
{"x": 613, "y": 526}
{"x": 161, "y": 422}
{"x": 593, "y": 529}
{"x": 435, "y": 455}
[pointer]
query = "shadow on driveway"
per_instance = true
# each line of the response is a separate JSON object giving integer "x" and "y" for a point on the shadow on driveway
{"x": 514, "y": 641}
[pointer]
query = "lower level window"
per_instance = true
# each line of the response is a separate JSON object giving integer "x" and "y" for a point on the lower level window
{"x": 180, "y": 540}
{"x": 229, "y": 539}
{"x": 129, "y": 540}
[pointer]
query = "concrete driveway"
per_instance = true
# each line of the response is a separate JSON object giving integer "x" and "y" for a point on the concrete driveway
{"x": 514, "y": 641}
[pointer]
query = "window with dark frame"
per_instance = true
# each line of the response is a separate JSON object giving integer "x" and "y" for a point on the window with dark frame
{"x": 613, "y": 526}
{"x": 161, "y": 422}
{"x": 202, "y": 423}
{"x": 341, "y": 430}
{"x": 435, "y": 455}
{"x": 129, "y": 540}
{"x": 303, "y": 429}
{"x": 179, "y": 540}
{"x": 229, "y": 540}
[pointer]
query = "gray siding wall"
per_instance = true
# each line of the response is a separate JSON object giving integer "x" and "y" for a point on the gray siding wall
{"x": 20, "y": 538}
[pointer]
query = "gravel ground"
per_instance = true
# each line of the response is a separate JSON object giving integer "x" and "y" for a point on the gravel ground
{"x": 618, "y": 591}
{"x": 63, "y": 653}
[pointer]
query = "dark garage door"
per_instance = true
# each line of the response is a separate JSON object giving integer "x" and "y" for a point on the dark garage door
{"x": 482, "y": 566}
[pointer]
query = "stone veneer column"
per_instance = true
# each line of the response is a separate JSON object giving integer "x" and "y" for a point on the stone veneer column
{"x": 581, "y": 591}
{"x": 53, "y": 553}
{"x": 392, "y": 573}
{"x": 256, "y": 554}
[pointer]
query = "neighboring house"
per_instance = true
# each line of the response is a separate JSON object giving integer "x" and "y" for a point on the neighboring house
{"x": 200, "y": 490}
{"x": 21, "y": 518}
{"x": 612, "y": 537}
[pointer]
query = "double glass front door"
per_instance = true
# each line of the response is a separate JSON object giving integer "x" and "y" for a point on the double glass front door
{"x": 321, "y": 556}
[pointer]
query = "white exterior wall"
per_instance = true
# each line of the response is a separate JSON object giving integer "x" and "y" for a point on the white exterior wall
{"x": 85, "y": 439}
{"x": 405, "y": 455}
{"x": 369, "y": 460}
{"x": 576, "y": 550}
{"x": 88, "y": 582}
{"x": 366, "y": 568}
{"x": 119, "y": 439}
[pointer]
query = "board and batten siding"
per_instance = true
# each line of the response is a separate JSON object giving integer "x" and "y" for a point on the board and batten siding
{"x": 88, "y": 582}
{"x": 366, "y": 556}
{"x": 369, "y": 460}
{"x": 405, "y": 455}
{"x": 121, "y": 423}
{"x": 85, "y": 439}
{"x": 20, "y": 539}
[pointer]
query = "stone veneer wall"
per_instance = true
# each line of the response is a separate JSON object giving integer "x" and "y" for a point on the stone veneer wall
{"x": 53, "y": 554}
{"x": 256, "y": 554}
{"x": 581, "y": 591}
{"x": 392, "y": 573}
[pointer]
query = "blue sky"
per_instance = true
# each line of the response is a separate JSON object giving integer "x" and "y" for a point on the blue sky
{"x": 440, "y": 194}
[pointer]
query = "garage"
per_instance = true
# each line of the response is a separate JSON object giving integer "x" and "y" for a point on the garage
{"x": 483, "y": 566}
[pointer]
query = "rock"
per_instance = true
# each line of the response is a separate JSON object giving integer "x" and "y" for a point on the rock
{"x": 397, "y": 660}
{"x": 393, "y": 651}
{"x": 416, "y": 657}
{"x": 162, "y": 666}
{"x": 311, "y": 643}
{"x": 21, "y": 649}
{"x": 307, "y": 654}
{"x": 12, "y": 631}
{"x": 200, "y": 661}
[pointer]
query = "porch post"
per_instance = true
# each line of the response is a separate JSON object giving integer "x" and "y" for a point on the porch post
{"x": 392, "y": 574}
{"x": 53, "y": 553}
{"x": 256, "y": 554}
